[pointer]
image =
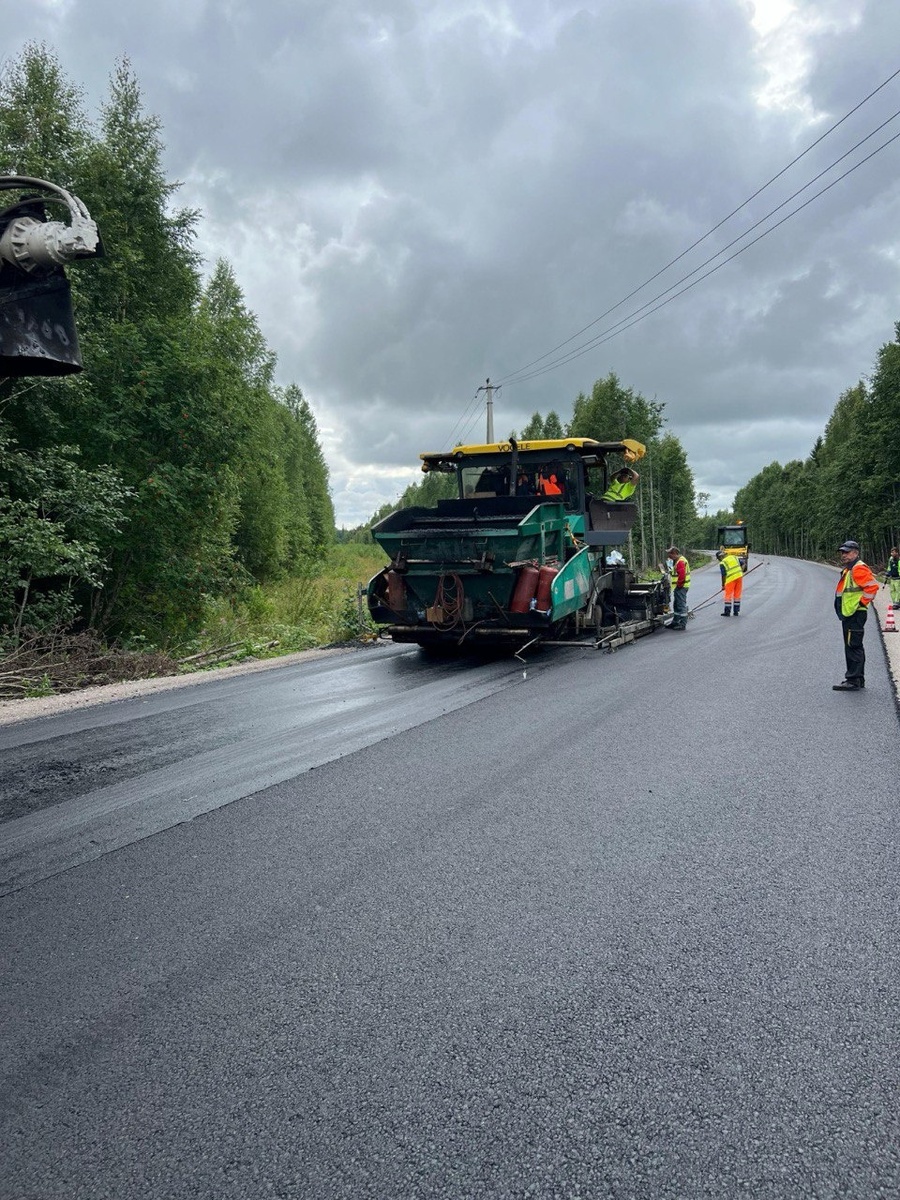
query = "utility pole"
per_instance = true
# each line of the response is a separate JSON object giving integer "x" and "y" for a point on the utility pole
{"x": 489, "y": 389}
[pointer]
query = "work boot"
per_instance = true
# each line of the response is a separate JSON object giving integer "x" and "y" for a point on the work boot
{"x": 737, "y": 610}
{"x": 848, "y": 685}
{"x": 726, "y": 613}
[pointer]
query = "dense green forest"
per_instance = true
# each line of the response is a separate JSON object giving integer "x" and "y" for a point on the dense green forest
{"x": 665, "y": 497}
{"x": 848, "y": 487}
{"x": 174, "y": 471}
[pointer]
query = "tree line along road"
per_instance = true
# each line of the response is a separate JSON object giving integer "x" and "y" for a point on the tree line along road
{"x": 609, "y": 926}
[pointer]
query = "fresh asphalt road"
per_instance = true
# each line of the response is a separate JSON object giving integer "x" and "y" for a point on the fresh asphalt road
{"x": 618, "y": 926}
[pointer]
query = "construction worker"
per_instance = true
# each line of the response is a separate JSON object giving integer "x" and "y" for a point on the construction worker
{"x": 732, "y": 581}
{"x": 549, "y": 485}
{"x": 855, "y": 591}
{"x": 892, "y": 576}
{"x": 681, "y": 581}
{"x": 524, "y": 486}
{"x": 622, "y": 485}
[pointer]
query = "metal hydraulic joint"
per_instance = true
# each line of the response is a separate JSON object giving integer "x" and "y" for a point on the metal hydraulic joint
{"x": 37, "y": 325}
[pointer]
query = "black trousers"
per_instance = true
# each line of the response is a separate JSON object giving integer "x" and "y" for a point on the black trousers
{"x": 853, "y": 628}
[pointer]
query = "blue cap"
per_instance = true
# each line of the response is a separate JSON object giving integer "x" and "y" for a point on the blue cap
{"x": 848, "y": 546}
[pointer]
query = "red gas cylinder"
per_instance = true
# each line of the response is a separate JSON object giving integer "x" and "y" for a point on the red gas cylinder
{"x": 396, "y": 592}
{"x": 542, "y": 595}
{"x": 524, "y": 590}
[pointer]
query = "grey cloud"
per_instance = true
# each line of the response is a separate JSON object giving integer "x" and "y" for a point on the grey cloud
{"x": 417, "y": 196}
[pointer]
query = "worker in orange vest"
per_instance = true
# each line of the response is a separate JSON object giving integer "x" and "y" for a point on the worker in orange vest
{"x": 855, "y": 591}
{"x": 550, "y": 486}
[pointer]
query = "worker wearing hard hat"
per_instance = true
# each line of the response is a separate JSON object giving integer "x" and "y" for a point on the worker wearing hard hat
{"x": 855, "y": 591}
{"x": 732, "y": 582}
{"x": 622, "y": 485}
{"x": 681, "y": 580}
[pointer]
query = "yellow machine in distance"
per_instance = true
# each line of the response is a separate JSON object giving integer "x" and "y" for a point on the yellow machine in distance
{"x": 735, "y": 539}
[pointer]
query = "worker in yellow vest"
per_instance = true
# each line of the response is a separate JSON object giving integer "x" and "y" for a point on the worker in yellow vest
{"x": 892, "y": 576}
{"x": 856, "y": 589}
{"x": 622, "y": 485}
{"x": 732, "y": 582}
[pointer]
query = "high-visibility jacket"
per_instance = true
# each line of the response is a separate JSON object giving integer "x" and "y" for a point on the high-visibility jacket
{"x": 892, "y": 571}
{"x": 856, "y": 586}
{"x": 731, "y": 568}
{"x": 619, "y": 489}
{"x": 681, "y": 572}
{"x": 549, "y": 486}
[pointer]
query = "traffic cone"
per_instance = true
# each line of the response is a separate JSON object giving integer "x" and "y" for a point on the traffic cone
{"x": 889, "y": 626}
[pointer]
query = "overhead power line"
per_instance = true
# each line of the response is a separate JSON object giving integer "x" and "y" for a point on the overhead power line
{"x": 633, "y": 318}
{"x": 467, "y": 418}
{"x": 477, "y": 415}
{"x": 464, "y": 435}
{"x": 519, "y": 375}
{"x": 628, "y": 322}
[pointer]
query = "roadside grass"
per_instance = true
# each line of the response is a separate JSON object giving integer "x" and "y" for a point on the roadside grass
{"x": 263, "y": 622}
{"x": 300, "y": 613}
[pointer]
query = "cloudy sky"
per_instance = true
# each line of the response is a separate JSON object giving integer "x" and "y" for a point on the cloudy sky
{"x": 419, "y": 194}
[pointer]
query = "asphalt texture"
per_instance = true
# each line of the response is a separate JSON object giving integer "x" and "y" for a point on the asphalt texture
{"x": 77, "y": 786}
{"x": 622, "y": 926}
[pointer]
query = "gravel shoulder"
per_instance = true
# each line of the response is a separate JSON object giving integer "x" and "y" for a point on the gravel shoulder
{"x": 108, "y": 693}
